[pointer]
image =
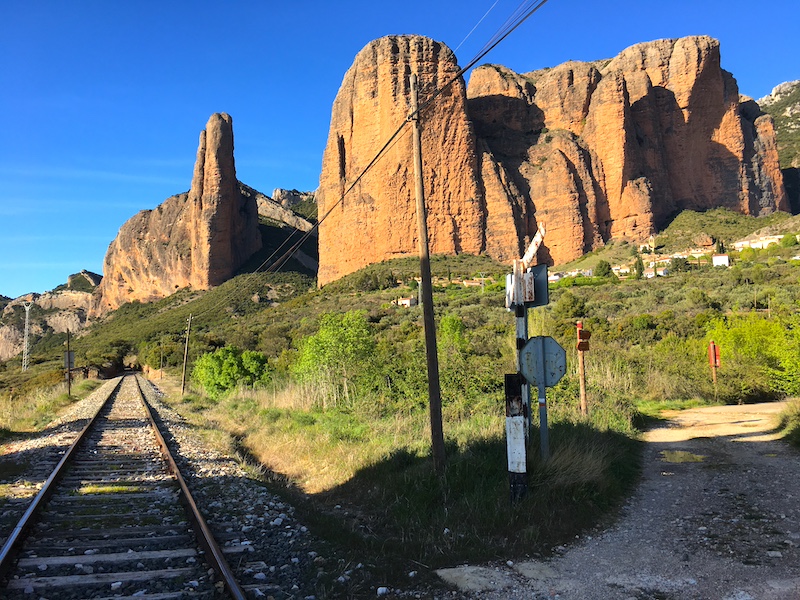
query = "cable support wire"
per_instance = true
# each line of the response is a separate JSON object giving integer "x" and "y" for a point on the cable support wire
{"x": 522, "y": 13}
{"x": 486, "y": 14}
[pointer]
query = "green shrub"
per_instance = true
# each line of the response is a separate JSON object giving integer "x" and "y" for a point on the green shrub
{"x": 337, "y": 355}
{"x": 224, "y": 369}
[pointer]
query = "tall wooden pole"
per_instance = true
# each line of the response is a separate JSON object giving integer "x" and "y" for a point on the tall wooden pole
{"x": 434, "y": 390}
{"x": 581, "y": 370}
{"x": 69, "y": 370}
{"x": 186, "y": 354}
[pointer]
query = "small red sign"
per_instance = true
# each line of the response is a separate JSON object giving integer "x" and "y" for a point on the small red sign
{"x": 713, "y": 355}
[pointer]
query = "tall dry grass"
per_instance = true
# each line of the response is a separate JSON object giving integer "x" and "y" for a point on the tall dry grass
{"x": 28, "y": 412}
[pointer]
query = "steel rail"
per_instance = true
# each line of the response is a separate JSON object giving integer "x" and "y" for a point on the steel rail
{"x": 205, "y": 538}
{"x": 14, "y": 540}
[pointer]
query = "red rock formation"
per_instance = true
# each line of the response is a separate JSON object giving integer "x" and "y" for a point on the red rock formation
{"x": 602, "y": 150}
{"x": 197, "y": 239}
{"x": 662, "y": 127}
{"x": 376, "y": 220}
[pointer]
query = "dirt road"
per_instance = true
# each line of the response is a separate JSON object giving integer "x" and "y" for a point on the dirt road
{"x": 716, "y": 515}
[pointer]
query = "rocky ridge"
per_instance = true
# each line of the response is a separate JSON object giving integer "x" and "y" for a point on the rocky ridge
{"x": 377, "y": 221}
{"x": 597, "y": 151}
{"x": 63, "y": 309}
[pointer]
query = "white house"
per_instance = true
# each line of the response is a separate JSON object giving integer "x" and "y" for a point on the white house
{"x": 720, "y": 260}
{"x": 758, "y": 243}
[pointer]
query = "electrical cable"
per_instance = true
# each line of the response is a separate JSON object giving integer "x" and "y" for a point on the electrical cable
{"x": 513, "y": 22}
{"x": 522, "y": 13}
{"x": 486, "y": 14}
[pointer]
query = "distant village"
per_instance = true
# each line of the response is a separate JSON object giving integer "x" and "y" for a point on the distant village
{"x": 656, "y": 265}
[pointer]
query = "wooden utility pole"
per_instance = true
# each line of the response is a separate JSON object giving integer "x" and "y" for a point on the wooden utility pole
{"x": 434, "y": 390}
{"x": 186, "y": 354}
{"x": 69, "y": 368}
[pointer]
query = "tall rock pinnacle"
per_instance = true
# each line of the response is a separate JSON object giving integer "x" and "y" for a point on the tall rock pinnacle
{"x": 196, "y": 239}
{"x": 226, "y": 234}
{"x": 379, "y": 215}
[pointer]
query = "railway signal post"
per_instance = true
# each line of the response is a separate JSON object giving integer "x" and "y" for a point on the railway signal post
{"x": 526, "y": 287}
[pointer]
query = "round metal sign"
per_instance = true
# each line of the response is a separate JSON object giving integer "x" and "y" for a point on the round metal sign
{"x": 543, "y": 361}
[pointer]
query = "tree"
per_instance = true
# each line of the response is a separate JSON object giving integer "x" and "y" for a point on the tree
{"x": 569, "y": 306}
{"x": 337, "y": 354}
{"x": 679, "y": 265}
{"x": 225, "y": 368}
{"x": 638, "y": 267}
{"x": 788, "y": 240}
{"x": 603, "y": 269}
{"x": 747, "y": 254}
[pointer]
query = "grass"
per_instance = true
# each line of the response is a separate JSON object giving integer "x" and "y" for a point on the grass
{"x": 109, "y": 488}
{"x": 790, "y": 423}
{"x": 719, "y": 223}
{"x": 35, "y": 409}
{"x": 376, "y": 468}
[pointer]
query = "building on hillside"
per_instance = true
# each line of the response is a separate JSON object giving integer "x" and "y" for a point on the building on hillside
{"x": 473, "y": 282}
{"x": 406, "y": 302}
{"x": 621, "y": 271}
{"x": 655, "y": 272}
{"x": 720, "y": 260}
{"x": 758, "y": 243}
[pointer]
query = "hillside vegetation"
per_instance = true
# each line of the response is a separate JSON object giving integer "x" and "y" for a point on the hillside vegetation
{"x": 785, "y": 110}
{"x": 327, "y": 388}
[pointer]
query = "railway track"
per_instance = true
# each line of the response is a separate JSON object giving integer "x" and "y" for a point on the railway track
{"x": 115, "y": 519}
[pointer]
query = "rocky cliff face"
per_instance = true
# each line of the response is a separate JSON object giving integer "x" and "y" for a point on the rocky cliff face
{"x": 783, "y": 104}
{"x": 196, "y": 239}
{"x": 376, "y": 220}
{"x": 596, "y": 151}
{"x": 52, "y": 312}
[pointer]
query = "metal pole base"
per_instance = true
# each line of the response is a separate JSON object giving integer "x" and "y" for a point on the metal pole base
{"x": 518, "y": 484}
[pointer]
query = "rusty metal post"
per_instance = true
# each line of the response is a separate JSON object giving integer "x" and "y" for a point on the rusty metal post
{"x": 713, "y": 361}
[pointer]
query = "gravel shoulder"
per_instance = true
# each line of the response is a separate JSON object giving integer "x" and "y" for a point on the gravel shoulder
{"x": 715, "y": 516}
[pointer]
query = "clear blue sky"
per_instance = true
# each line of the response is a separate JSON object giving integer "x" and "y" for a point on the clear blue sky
{"x": 102, "y": 102}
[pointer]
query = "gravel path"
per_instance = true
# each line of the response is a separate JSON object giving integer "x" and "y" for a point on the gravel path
{"x": 715, "y": 516}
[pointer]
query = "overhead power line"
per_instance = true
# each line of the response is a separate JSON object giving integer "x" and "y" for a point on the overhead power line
{"x": 522, "y": 13}
{"x": 486, "y": 14}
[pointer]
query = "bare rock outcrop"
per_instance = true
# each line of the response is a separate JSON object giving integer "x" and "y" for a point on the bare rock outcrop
{"x": 11, "y": 339}
{"x": 783, "y": 104}
{"x": 596, "y": 151}
{"x": 52, "y": 312}
{"x": 277, "y": 210}
{"x": 196, "y": 239}
{"x": 377, "y": 219}
{"x": 291, "y": 198}
{"x": 656, "y": 130}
